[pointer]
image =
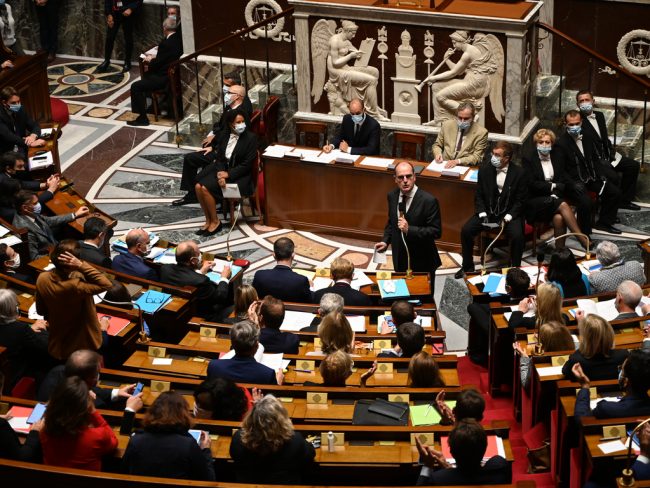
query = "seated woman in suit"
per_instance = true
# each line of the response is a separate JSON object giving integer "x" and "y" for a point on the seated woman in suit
{"x": 165, "y": 447}
{"x": 547, "y": 306}
{"x": 74, "y": 434}
{"x": 596, "y": 353}
{"x": 634, "y": 380}
{"x": 424, "y": 372}
{"x": 553, "y": 336}
{"x": 336, "y": 368}
{"x": 546, "y": 184}
{"x": 234, "y": 156}
{"x": 563, "y": 271}
{"x": 335, "y": 332}
{"x": 267, "y": 449}
{"x": 245, "y": 296}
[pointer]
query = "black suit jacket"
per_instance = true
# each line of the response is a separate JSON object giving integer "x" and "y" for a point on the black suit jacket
{"x": 210, "y": 297}
{"x": 537, "y": 184}
{"x": 351, "y": 297}
{"x": 366, "y": 142}
{"x": 275, "y": 341}
{"x": 604, "y": 144}
{"x": 495, "y": 471}
{"x": 26, "y": 349}
{"x": 15, "y": 126}
{"x": 597, "y": 368}
{"x": 169, "y": 50}
{"x": 628, "y": 406}
{"x": 240, "y": 164}
{"x": 282, "y": 283}
{"x": 510, "y": 201}
{"x": 425, "y": 227}
{"x": 94, "y": 255}
{"x": 246, "y": 107}
{"x": 12, "y": 448}
{"x": 56, "y": 376}
{"x": 581, "y": 167}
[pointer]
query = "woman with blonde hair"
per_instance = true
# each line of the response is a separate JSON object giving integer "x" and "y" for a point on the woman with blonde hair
{"x": 596, "y": 353}
{"x": 424, "y": 372}
{"x": 267, "y": 449}
{"x": 553, "y": 336}
{"x": 336, "y": 368}
{"x": 335, "y": 333}
{"x": 547, "y": 306}
{"x": 245, "y": 295}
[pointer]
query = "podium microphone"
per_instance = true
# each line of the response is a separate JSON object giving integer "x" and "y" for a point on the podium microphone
{"x": 540, "y": 261}
{"x": 409, "y": 272}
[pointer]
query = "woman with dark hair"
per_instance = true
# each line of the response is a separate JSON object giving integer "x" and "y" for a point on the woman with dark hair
{"x": 563, "y": 271}
{"x": 74, "y": 434}
{"x": 234, "y": 154}
{"x": 165, "y": 447}
{"x": 424, "y": 372}
{"x": 267, "y": 449}
{"x": 221, "y": 399}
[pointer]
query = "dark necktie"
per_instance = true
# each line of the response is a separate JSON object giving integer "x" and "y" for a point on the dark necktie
{"x": 356, "y": 130}
{"x": 460, "y": 141}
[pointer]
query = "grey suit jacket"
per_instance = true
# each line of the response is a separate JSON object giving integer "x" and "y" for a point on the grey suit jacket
{"x": 608, "y": 278}
{"x": 473, "y": 148}
{"x": 40, "y": 237}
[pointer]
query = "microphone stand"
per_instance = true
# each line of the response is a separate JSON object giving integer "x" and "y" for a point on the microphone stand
{"x": 503, "y": 226}
{"x": 234, "y": 222}
{"x": 409, "y": 271}
{"x": 627, "y": 475}
{"x": 587, "y": 252}
{"x": 143, "y": 337}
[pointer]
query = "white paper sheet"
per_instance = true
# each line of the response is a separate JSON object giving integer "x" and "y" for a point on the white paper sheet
{"x": 337, "y": 153}
{"x": 3, "y": 231}
{"x": 320, "y": 283}
{"x": 549, "y": 371}
{"x": 376, "y": 162}
{"x": 10, "y": 240}
{"x": 162, "y": 361}
{"x": 379, "y": 257}
{"x": 273, "y": 361}
{"x": 357, "y": 322}
{"x": 20, "y": 424}
{"x": 31, "y": 313}
{"x": 294, "y": 321}
{"x": 41, "y": 161}
{"x": 612, "y": 446}
{"x": 231, "y": 191}
{"x": 360, "y": 279}
{"x": 440, "y": 167}
{"x": 595, "y": 401}
{"x": 606, "y": 309}
{"x": 322, "y": 158}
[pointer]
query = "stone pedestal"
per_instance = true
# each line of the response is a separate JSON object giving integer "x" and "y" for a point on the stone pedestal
{"x": 405, "y": 98}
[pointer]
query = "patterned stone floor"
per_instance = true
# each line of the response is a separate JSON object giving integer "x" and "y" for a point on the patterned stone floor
{"x": 134, "y": 174}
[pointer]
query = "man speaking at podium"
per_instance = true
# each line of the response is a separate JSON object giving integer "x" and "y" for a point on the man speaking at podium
{"x": 414, "y": 221}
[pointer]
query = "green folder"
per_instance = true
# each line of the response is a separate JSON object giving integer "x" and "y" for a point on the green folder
{"x": 423, "y": 415}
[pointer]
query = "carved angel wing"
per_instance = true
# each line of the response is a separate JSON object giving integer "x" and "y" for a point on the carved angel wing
{"x": 320, "y": 36}
{"x": 496, "y": 78}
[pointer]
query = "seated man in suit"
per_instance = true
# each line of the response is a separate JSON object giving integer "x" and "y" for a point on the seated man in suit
{"x": 243, "y": 368}
{"x": 626, "y": 169}
{"x": 467, "y": 443}
{"x": 155, "y": 78}
{"x": 470, "y": 404}
{"x": 270, "y": 318}
{"x": 615, "y": 270}
{"x": 641, "y": 466}
{"x": 12, "y": 167}
{"x": 628, "y": 297}
{"x": 95, "y": 230}
{"x": 211, "y": 297}
{"x": 132, "y": 262}
{"x": 280, "y": 282}
{"x": 10, "y": 264}
{"x": 18, "y": 131}
{"x": 39, "y": 227}
{"x": 634, "y": 379}
{"x": 330, "y": 302}
{"x": 461, "y": 140}
{"x": 499, "y": 199}
{"x": 410, "y": 339}
{"x": 342, "y": 272}
{"x": 582, "y": 162}
{"x": 234, "y": 98}
{"x": 358, "y": 133}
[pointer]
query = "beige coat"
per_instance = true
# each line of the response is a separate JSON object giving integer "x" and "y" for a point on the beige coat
{"x": 473, "y": 148}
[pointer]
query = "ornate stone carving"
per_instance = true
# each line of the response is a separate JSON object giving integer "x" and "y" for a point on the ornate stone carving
{"x": 405, "y": 96}
{"x": 481, "y": 65}
{"x": 633, "y": 52}
{"x": 332, "y": 48}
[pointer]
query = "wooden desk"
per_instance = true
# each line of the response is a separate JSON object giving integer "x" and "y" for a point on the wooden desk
{"x": 351, "y": 200}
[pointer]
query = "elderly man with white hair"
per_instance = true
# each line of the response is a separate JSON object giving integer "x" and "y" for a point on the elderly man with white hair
{"x": 628, "y": 297}
{"x": 614, "y": 269}
{"x": 329, "y": 302}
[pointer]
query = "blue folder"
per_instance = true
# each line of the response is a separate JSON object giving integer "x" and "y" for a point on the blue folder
{"x": 216, "y": 276}
{"x": 151, "y": 301}
{"x": 401, "y": 290}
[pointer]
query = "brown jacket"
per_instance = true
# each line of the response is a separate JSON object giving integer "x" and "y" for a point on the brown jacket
{"x": 67, "y": 304}
{"x": 473, "y": 147}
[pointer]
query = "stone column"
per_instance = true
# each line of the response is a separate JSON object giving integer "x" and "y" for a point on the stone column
{"x": 515, "y": 81}
{"x": 303, "y": 61}
{"x": 546, "y": 47}
{"x": 187, "y": 22}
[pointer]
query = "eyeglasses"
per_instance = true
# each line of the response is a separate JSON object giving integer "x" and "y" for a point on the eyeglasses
{"x": 155, "y": 300}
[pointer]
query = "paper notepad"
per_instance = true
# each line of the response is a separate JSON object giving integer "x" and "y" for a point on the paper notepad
{"x": 423, "y": 415}
{"x": 19, "y": 415}
{"x": 376, "y": 162}
{"x": 612, "y": 446}
{"x": 294, "y": 321}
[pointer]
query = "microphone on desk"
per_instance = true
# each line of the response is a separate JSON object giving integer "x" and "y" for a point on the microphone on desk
{"x": 587, "y": 252}
{"x": 234, "y": 222}
{"x": 402, "y": 210}
{"x": 627, "y": 475}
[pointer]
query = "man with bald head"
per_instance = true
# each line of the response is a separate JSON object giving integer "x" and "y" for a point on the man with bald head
{"x": 358, "y": 134}
{"x": 628, "y": 297}
{"x": 132, "y": 262}
{"x": 212, "y": 298}
{"x": 413, "y": 222}
{"x": 234, "y": 97}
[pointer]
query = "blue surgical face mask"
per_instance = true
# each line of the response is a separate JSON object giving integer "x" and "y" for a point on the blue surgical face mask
{"x": 357, "y": 118}
{"x": 586, "y": 107}
{"x": 227, "y": 98}
{"x": 544, "y": 150}
{"x": 496, "y": 161}
{"x": 240, "y": 128}
{"x": 463, "y": 124}
{"x": 37, "y": 208}
{"x": 173, "y": 17}
{"x": 15, "y": 107}
{"x": 574, "y": 130}
{"x": 16, "y": 259}
{"x": 226, "y": 89}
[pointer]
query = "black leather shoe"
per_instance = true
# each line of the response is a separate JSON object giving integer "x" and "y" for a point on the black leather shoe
{"x": 460, "y": 274}
{"x": 139, "y": 122}
{"x": 103, "y": 68}
{"x": 127, "y": 67}
{"x": 215, "y": 231}
{"x": 200, "y": 232}
{"x": 630, "y": 206}
{"x": 186, "y": 200}
{"x": 608, "y": 228}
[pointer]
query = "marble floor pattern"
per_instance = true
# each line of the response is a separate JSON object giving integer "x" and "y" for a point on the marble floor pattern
{"x": 134, "y": 175}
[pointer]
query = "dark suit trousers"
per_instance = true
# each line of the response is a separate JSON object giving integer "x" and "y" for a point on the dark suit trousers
{"x": 139, "y": 91}
{"x": 192, "y": 163}
{"x": 477, "y": 340}
{"x": 578, "y": 193}
{"x": 111, "y": 34}
{"x": 627, "y": 174}
{"x": 48, "y": 22}
{"x": 473, "y": 227}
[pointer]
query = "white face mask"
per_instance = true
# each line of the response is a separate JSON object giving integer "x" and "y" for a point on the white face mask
{"x": 15, "y": 262}
{"x": 240, "y": 128}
